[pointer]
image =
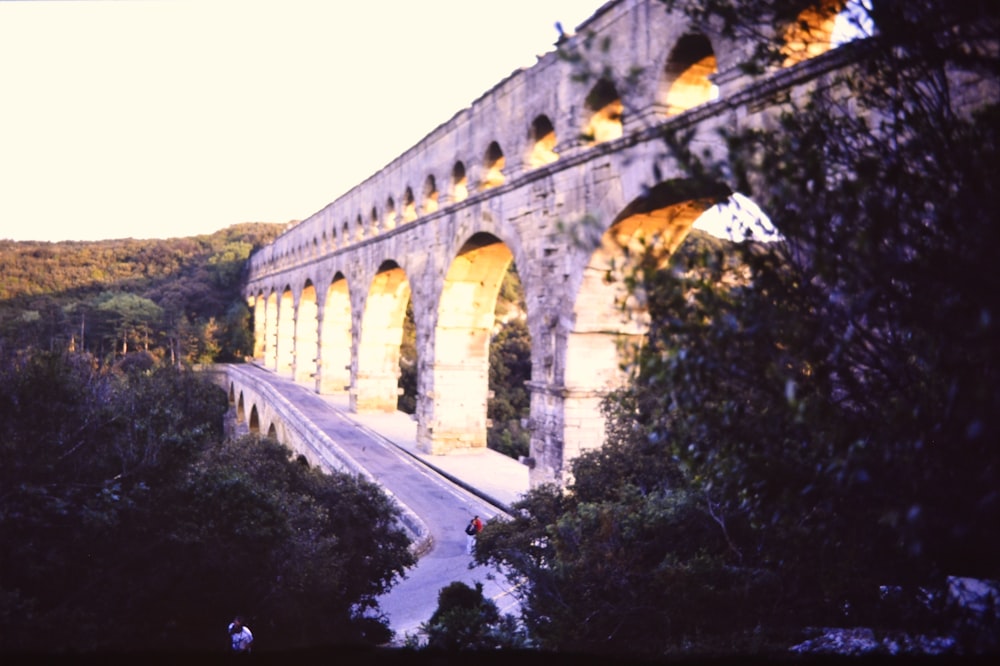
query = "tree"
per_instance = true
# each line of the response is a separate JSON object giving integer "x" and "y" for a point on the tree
{"x": 466, "y": 620}
{"x": 510, "y": 368}
{"x": 817, "y": 416}
{"x": 126, "y": 525}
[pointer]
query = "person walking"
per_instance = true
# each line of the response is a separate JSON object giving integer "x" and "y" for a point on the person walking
{"x": 240, "y": 635}
{"x": 472, "y": 530}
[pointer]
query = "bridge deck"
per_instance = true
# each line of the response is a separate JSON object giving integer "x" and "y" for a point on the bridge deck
{"x": 443, "y": 491}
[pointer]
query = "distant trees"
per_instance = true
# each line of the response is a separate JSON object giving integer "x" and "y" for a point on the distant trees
{"x": 128, "y": 317}
{"x": 810, "y": 436}
{"x": 126, "y": 523}
{"x": 179, "y": 298}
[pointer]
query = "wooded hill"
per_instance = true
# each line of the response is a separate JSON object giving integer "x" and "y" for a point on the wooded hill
{"x": 176, "y": 298}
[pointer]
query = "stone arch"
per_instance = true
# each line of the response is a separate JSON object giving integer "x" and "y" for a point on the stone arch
{"x": 686, "y": 81}
{"x": 232, "y": 394}
{"x": 254, "y": 423}
{"x": 390, "y": 214}
{"x": 409, "y": 206}
{"x": 604, "y": 104}
{"x": 541, "y": 142}
{"x": 459, "y": 182}
{"x": 465, "y": 319}
{"x": 430, "y": 194}
{"x": 606, "y": 321}
{"x": 359, "y": 228}
{"x": 346, "y": 235}
{"x": 335, "y": 338}
{"x": 374, "y": 222}
{"x": 306, "y": 335}
{"x": 272, "y": 432}
{"x": 493, "y": 164}
{"x": 285, "y": 352}
{"x": 241, "y": 415}
{"x": 811, "y": 33}
{"x": 376, "y": 381}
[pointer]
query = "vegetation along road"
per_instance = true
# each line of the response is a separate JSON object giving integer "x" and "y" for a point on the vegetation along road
{"x": 443, "y": 506}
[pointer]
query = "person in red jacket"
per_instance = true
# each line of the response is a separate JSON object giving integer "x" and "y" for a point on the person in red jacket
{"x": 474, "y": 527}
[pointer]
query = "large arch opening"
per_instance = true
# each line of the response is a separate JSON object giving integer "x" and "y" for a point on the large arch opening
{"x": 509, "y": 403}
{"x": 820, "y": 27}
{"x": 608, "y": 321}
{"x": 686, "y": 81}
{"x": 376, "y": 383}
{"x": 335, "y": 338}
{"x": 465, "y": 321}
{"x": 306, "y": 335}
{"x": 541, "y": 142}
{"x": 606, "y": 113}
{"x": 285, "y": 353}
{"x": 409, "y": 363}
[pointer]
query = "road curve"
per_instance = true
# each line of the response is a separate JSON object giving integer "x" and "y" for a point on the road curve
{"x": 443, "y": 506}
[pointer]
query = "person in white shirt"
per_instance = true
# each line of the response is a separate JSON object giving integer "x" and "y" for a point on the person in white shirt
{"x": 240, "y": 636}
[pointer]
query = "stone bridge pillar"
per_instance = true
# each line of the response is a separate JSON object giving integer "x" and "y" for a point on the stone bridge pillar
{"x": 375, "y": 391}
{"x": 459, "y": 404}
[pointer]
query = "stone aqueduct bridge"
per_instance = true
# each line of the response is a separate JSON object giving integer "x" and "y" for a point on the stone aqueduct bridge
{"x": 543, "y": 170}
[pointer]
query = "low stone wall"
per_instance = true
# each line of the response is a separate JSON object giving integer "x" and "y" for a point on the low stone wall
{"x": 302, "y": 436}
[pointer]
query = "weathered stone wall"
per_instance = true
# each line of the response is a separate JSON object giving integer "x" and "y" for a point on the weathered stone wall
{"x": 415, "y": 230}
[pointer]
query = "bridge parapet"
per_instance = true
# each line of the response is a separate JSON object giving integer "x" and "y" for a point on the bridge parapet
{"x": 261, "y": 408}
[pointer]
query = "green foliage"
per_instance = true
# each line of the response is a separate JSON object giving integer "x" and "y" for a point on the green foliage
{"x": 466, "y": 620}
{"x": 510, "y": 368}
{"x": 160, "y": 295}
{"x": 125, "y": 525}
{"x": 408, "y": 364}
{"x": 812, "y": 418}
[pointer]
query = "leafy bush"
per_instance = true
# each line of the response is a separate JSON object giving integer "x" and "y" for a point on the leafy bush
{"x": 125, "y": 524}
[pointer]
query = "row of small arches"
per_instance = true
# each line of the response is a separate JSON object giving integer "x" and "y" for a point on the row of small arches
{"x": 691, "y": 87}
{"x": 686, "y": 82}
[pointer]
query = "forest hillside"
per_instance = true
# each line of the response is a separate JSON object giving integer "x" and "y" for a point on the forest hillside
{"x": 178, "y": 298}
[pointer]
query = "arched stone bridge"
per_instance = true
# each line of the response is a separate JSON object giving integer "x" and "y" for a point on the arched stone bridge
{"x": 553, "y": 168}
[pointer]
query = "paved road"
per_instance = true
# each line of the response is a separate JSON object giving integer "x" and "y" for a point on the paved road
{"x": 443, "y": 506}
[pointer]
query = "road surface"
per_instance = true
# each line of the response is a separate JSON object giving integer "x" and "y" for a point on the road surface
{"x": 443, "y": 506}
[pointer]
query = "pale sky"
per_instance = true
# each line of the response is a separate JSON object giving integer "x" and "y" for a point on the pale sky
{"x": 166, "y": 118}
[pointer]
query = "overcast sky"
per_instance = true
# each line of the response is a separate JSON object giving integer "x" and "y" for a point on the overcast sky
{"x": 165, "y": 118}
